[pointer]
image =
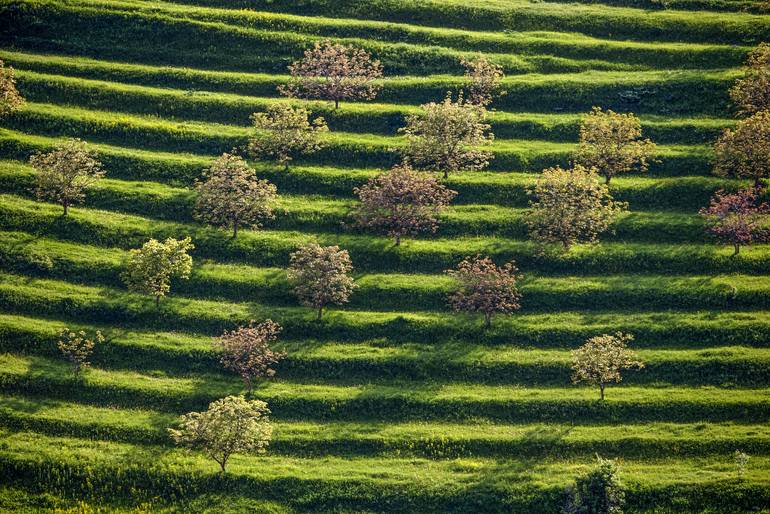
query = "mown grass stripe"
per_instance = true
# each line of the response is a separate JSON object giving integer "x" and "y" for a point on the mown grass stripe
{"x": 52, "y": 298}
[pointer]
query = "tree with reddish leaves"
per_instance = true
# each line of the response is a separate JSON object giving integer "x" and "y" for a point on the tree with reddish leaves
{"x": 485, "y": 287}
{"x": 331, "y": 71}
{"x": 246, "y": 351}
{"x": 402, "y": 201}
{"x": 737, "y": 218}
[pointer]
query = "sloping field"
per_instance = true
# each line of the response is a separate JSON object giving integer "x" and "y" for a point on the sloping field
{"x": 392, "y": 403}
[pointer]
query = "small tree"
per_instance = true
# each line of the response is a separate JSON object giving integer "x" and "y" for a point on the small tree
{"x": 485, "y": 287}
{"x": 737, "y": 219}
{"x": 321, "y": 276}
{"x": 744, "y": 152}
{"x": 402, "y": 201}
{"x": 612, "y": 143}
{"x": 445, "y": 137}
{"x": 570, "y": 206}
{"x": 66, "y": 172}
{"x": 10, "y": 99}
{"x": 741, "y": 462}
{"x": 284, "y": 132}
{"x": 77, "y": 347}
{"x": 601, "y": 359}
{"x": 484, "y": 78}
{"x": 230, "y": 195}
{"x": 600, "y": 491}
{"x": 331, "y": 71}
{"x": 752, "y": 92}
{"x": 149, "y": 269}
{"x": 229, "y": 426}
{"x": 246, "y": 351}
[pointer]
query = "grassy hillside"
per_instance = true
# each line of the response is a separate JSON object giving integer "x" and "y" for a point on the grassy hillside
{"x": 392, "y": 403}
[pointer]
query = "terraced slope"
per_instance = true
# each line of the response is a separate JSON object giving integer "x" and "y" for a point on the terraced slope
{"x": 392, "y": 403}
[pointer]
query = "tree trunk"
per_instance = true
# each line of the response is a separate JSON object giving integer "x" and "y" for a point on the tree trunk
{"x": 157, "y": 301}
{"x": 222, "y": 465}
{"x": 235, "y": 229}
{"x": 446, "y": 174}
{"x": 398, "y": 239}
{"x": 737, "y": 247}
{"x": 607, "y": 179}
{"x": 336, "y": 103}
{"x": 566, "y": 243}
{"x": 286, "y": 166}
{"x": 320, "y": 313}
{"x": 601, "y": 391}
{"x": 487, "y": 319}
{"x": 66, "y": 205}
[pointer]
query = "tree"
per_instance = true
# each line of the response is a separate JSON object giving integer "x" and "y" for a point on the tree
{"x": 284, "y": 132}
{"x": 246, "y": 351}
{"x": 752, "y": 92}
{"x": 612, "y": 143}
{"x": 321, "y": 276}
{"x": 484, "y": 78}
{"x": 737, "y": 219}
{"x": 66, "y": 172}
{"x": 741, "y": 462}
{"x": 485, "y": 287}
{"x": 445, "y": 137}
{"x": 10, "y": 99}
{"x": 231, "y": 195}
{"x": 229, "y": 426}
{"x": 570, "y": 206}
{"x": 744, "y": 152}
{"x": 77, "y": 347}
{"x": 601, "y": 359}
{"x": 331, "y": 71}
{"x": 402, "y": 201}
{"x": 149, "y": 269}
{"x": 600, "y": 491}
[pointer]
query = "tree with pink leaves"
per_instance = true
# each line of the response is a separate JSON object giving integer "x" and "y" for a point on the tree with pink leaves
{"x": 737, "y": 218}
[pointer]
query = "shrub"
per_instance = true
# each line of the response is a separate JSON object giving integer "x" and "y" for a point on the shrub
{"x": 230, "y": 425}
{"x": 284, "y": 132}
{"x": 601, "y": 359}
{"x": 331, "y": 71}
{"x": 570, "y": 206}
{"x": 485, "y": 287}
{"x": 612, "y": 143}
{"x": 149, "y": 269}
{"x": 231, "y": 195}
{"x": 321, "y": 276}
{"x": 402, "y": 201}
{"x": 598, "y": 492}
{"x": 66, "y": 172}
{"x": 444, "y": 137}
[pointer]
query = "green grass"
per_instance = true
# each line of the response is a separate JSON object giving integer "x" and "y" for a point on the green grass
{"x": 393, "y": 402}
{"x": 362, "y": 149}
{"x": 656, "y": 92}
{"x": 46, "y": 297}
{"x": 371, "y": 253}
